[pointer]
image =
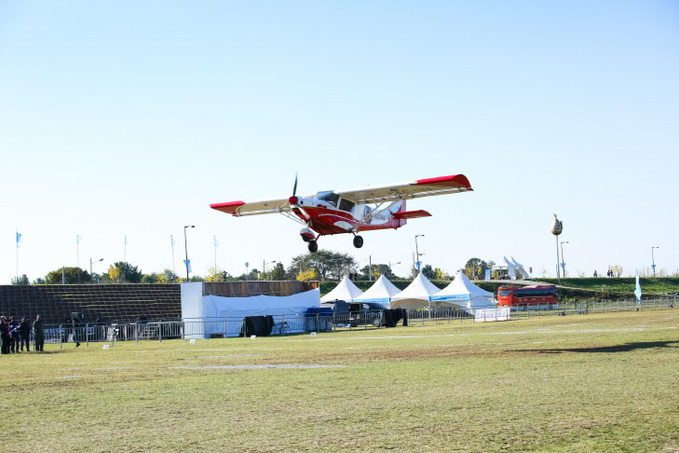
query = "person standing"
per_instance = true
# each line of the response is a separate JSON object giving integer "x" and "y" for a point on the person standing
{"x": 4, "y": 334}
{"x": 74, "y": 324}
{"x": 14, "y": 335}
{"x": 38, "y": 333}
{"x": 24, "y": 334}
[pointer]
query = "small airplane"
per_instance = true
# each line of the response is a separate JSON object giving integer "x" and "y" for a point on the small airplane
{"x": 350, "y": 211}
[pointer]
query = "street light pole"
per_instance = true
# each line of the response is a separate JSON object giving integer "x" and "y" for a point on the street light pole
{"x": 563, "y": 263}
{"x": 418, "y": 263}
{"x": 653, "y": 259}
{"x": 390, "y": 269}
{"x": 186, "y": 251}
{"x": 100, "y": 259}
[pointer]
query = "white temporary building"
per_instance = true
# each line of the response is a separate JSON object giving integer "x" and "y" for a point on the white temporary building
{"x": 416, "y": 295}
{"x": 380, "y": 292}
{"x": 207, "y": 315}
{"x": 464, "y": 294}
{"x": 345, "y": 290}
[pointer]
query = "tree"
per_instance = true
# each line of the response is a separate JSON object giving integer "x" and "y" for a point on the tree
{"x": 20, "y": 281}
{"x": 167, "y": 277}
{"x": 150, "y": 278}
{"x": 476, "y": 268}
{"x": 325, "y": 263}
{"x": 71, "y": 276}
{"x": 307, "y": 275}
{"x": 278, "y": 272}
{"x": 617, "y": 270}
{"x": 377, "y": 270}
{"x": 122, "y": 272}
{"x": 217, "y": 275}
{"x": 428, "y": 271}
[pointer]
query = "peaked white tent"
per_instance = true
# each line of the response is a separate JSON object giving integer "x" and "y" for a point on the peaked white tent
{"x": 464, "y": 294}
{"x": 381, "y": 292}
{"x": 416, "y": 295}
{"x": 513, "y": 267}
{"x": 345, "y": 290}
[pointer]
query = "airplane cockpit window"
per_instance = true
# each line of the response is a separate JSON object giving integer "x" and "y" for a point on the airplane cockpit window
{"x": 329, "y": 196}
{"x": 346, "y": 205}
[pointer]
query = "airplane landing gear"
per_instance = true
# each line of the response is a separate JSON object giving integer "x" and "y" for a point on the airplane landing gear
{"x": 313, "y": 246}
{"x": 358, "y": 241}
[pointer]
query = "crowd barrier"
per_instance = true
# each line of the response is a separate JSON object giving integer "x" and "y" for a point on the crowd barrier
{"x": 320, "y": 322}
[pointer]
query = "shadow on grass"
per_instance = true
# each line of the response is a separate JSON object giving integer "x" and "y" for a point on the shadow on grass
{"x": 616, "y": 348}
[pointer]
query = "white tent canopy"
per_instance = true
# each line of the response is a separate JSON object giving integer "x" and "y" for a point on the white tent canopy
{"x": 416, "y": 295}
{"x": 380, "y": 292}
{"x": 345, "y": 290}
{"x": 206, "y": 315}
{"x": 464, "y": 294}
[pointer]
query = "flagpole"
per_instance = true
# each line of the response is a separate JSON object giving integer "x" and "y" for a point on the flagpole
{"x": 172, "y": 245}
{"x": 17, "y": 239}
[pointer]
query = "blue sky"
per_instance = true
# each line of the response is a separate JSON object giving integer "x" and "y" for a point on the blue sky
{"x": 127, "y": 119}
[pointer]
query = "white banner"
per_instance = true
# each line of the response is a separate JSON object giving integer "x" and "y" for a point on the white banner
{"x": 492, "y": 314}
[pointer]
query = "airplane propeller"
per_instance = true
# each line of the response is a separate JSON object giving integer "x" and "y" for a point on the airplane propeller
{"x": 293, "y": 199}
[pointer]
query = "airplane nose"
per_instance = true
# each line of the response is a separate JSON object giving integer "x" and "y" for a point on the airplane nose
{"x": 293, "y": 200}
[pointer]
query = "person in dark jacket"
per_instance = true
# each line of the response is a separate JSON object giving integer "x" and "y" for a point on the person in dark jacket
{"x": 24, "y": 334}
{"x": 4, "y": 334}
{"x": 38, "y": 333}
{"x": 14, "y": 335}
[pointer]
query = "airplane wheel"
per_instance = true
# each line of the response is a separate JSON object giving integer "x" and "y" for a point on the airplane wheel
{"x": 313, "y": 246}
{"x": 358, "y": 242}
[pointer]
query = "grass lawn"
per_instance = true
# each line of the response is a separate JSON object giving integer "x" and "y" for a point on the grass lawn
{"x": 594, "y": 383}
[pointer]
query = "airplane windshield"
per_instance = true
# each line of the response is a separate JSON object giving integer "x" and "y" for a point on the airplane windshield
{"x": 329, "y": 196}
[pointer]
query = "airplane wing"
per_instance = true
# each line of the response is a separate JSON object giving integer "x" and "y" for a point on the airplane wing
{"x": 241, "y": 208}
{"x": 414, "y": 189}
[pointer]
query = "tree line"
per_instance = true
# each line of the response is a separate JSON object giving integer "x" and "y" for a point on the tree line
{"x": 322, "y": 265}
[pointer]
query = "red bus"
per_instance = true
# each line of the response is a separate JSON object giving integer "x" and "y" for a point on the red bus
{"x": 528, "y": 297}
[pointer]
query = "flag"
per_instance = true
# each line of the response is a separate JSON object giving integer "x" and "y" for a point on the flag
{"x": 18, "y": 239}
{"x": 637, "y": 291}
{"x": 216, "y": 242}
{"x": 172, "y": 240}
{"x": 188, "y": 265}
{"x": 78, "y": 238}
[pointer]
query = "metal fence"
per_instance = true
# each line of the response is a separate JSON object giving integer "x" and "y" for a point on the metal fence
{"x": 320, "y": 322}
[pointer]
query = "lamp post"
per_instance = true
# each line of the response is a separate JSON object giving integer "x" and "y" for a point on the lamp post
{"x": 247, "y": 272}
{"x": 653, "y": 259}
{"x": 100, "y": 259}
{"x": 186, "y": 251}
{"x": 418, "y": 263}
{"x": 390, "y": 269}
{"x": 563, "y": 263}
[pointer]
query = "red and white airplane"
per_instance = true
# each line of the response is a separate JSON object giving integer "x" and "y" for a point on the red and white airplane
{"x": 350, "y": 211}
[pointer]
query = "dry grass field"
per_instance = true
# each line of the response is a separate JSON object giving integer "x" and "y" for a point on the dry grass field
{"x": 589, "y": 383}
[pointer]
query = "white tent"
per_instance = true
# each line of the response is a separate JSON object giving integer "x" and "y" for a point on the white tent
{"x": 416, "y": 295}
{"x": 513, "y": 267}
{"x": 345, "y": 290}
{"x": 206, "y": 315}
{"x": 464, "y": 294}
{"x": 381, "y": 292}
